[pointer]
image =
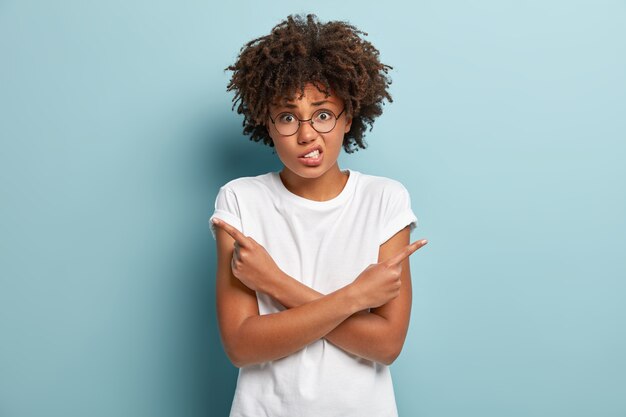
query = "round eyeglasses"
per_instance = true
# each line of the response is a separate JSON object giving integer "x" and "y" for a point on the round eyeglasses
{"x": 323, "y": 121}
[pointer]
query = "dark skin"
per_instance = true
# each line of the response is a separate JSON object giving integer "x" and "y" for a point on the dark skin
{"x": 368, "y": 318}
{"x": 335, "y": 55}
{"x": 341, "y": 317}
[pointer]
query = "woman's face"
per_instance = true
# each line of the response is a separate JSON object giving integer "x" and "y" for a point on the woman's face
{"x": 291, "y": 149}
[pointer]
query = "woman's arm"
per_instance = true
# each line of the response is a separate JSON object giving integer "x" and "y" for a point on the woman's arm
{"x": 378, "y": 335}
{"x": 250, "y": 338}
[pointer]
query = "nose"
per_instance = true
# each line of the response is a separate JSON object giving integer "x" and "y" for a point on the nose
{"x": 306, "y": 133}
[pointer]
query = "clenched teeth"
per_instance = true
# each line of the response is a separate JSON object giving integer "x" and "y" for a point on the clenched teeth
{"x": 313, "y": 154}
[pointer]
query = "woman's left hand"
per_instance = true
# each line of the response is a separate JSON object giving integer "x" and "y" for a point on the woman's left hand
{"x": 251, "y": 263}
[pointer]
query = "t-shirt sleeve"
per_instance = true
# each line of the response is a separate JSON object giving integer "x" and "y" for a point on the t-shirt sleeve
{"x": 397, "y": 213}
{"x": 226, "y": 209}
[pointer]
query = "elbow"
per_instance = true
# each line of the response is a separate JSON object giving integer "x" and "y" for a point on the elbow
{"x": 235, "y": 359}
{"x": 240, "y": 360}
{"x": 391, "y": 353}
{"x": 239, "y": 349}
{"x": 241, "y": 354}
{"x": 235, "y": 348}
{"x": 390, "y": 357}
{"x": 237, "y": 363}
{"x": 236, "y": 356}
{"x": 234, "y": 351}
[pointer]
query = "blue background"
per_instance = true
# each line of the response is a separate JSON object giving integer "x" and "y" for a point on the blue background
{"x": 507, "y": 128}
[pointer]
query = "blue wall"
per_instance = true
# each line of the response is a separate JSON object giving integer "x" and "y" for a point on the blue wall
{"x": 508, "y": 129}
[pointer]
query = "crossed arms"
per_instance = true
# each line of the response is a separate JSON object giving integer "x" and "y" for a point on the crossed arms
{"x": 341, "y": 317}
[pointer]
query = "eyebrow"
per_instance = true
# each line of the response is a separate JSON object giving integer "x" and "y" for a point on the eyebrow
{"x": 293, "y": 106}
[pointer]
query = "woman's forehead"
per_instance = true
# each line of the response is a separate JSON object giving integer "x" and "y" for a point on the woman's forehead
{"x": 311, "y": 93}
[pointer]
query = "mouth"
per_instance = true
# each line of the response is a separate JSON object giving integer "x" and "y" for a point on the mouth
{"x": 313, "y": 157}
{"x": 312, "y": 153}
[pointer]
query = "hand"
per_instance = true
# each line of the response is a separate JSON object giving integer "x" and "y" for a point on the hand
{"x": 251, "y": 263}
{"x": 379, "y": 283}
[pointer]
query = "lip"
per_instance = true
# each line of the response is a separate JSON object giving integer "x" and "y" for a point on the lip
{"x": 312, "y": 162}
{"x": 318, "y": 147}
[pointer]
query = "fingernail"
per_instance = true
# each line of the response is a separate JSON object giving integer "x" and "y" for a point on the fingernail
{"x": 424, "y": 242}
{"x": 215, "y": 221}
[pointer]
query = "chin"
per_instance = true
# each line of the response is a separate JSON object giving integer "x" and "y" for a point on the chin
{"x": 308, "y": 172}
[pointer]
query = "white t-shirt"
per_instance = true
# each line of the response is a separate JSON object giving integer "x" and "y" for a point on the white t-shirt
{"x": 325, "y": 245}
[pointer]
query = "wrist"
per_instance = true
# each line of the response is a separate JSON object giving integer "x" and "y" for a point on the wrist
{"x": 271, "y": 285}
{"x": 354, "y": 297}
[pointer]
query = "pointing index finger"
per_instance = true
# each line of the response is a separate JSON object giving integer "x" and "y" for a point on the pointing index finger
{"x": 408, "y": 250}
{"x": 231, "y": 230}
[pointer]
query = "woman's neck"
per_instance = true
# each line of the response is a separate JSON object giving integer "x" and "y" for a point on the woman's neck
{"x": 325, "y": 187}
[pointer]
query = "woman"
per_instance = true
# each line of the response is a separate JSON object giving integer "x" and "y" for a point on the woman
{"x": 313, "y": 281}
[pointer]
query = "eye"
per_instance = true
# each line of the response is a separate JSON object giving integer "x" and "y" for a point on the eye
{"x": 286, "y": 118}
{"x": 324, "y": 116}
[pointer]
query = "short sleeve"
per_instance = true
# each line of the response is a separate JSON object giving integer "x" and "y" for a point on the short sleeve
{"x": 226, "y": 209}
{"x": 397, "y": 213}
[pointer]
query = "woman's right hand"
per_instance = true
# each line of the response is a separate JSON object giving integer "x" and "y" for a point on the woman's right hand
{"x": 251, "y": 263}
{"x": 380, "y": 283}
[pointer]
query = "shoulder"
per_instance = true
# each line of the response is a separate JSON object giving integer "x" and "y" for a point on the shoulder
{"x": 246, "y": 185}
{"x": 391, "y": 203}
{"x": 380, "y": 186}
{"x": 236, "y": 197}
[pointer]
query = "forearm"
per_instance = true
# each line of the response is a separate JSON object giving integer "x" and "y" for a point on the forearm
{"x": 262, "y": 338}
{"x": 364, "y": 334}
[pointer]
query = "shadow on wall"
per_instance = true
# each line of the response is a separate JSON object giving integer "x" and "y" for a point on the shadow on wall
{"x": 227, "y": 155}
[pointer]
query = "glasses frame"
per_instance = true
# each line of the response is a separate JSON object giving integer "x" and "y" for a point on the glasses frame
{"x": 311, "y": 122}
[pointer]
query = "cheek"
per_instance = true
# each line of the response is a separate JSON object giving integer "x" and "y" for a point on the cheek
{"x": 283, "y": 152}
{"x": 339, "y": 140}
{"x": 275, "y": 140}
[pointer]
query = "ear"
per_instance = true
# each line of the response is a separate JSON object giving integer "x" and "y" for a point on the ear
{"x": 348, "y": 124}
{"x": 268, "y": 129}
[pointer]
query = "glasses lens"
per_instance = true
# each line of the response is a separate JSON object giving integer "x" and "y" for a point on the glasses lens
{"x": 324, "y": 120}
{"x": 286, "y": 124}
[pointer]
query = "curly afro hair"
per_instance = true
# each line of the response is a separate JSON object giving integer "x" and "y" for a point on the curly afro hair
{"x": 302, "y": 50}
